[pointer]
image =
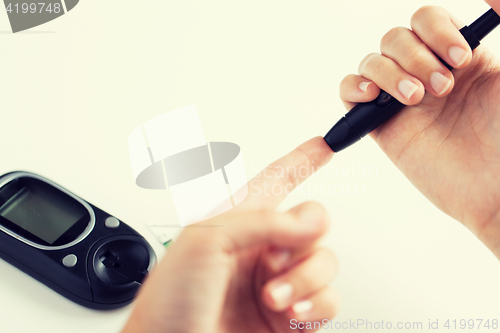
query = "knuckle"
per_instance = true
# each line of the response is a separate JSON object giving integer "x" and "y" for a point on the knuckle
{"x": 391, "y": 36}
{"x": 346, "y": 81}
{"x": 370, "y": 61}
{"x": 273, "y": 221}
{"x": 429, "y": 16}
{"x": 345, "y": 86}
{"x": 416, "y": 58}
{"x": 314, "y": 205}
{"x": 423, "y": 13}
{"x": 319, "y": 210}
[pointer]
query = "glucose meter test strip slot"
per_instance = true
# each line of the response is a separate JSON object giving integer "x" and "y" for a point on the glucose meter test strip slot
{"x": 160, "y": 234}
{"x": 205, "y": 178}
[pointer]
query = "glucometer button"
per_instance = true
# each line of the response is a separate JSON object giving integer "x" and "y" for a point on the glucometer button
{"x": 70, "y": 260}
{"x": 112, "y": 222}
{"x": 384, "y": 98}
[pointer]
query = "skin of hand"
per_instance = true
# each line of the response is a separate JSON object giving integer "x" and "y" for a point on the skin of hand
{"x": 446, "y": 141}
{"x": 250, "y": 269}
{"x": 495, "y": 4}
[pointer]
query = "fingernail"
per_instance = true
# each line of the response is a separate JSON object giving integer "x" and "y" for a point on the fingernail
{"x": 458, "y": 55}
{"x": 281, "y": 295}
{"x": 278, "y": 258}
{"x": 301, "y": 307}
{"x": 363, "y": 86}
{"x": 407, "y": 88}
{"x": 440, "y": 83}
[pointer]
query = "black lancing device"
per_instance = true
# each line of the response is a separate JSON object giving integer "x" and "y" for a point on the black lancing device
{"x": 365, "y": 117}
{"x": 70, "y": 245}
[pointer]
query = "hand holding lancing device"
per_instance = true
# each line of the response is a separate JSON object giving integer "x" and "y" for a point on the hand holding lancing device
{"x": 447, "y": 142}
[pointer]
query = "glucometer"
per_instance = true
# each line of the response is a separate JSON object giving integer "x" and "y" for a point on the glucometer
{"x": 73, "y": 247}
{"x": 365, "y": 117}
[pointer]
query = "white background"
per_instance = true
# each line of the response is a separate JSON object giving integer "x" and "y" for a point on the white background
{"x": 263, "y": 74}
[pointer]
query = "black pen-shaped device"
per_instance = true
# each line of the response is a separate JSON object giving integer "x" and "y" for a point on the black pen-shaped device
{"x": 365, "y": 117}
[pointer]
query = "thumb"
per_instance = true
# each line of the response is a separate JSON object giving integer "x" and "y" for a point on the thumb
{"x": 299, "y": 227}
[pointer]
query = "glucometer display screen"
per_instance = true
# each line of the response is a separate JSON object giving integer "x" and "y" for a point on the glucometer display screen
{"x": 40, "y": 212}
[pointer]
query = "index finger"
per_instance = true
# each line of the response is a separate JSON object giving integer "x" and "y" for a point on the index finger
{"x": 439, "y": 30}
{"x": 270, "y": 187}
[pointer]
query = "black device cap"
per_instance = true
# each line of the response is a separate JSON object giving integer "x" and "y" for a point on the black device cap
{"x": 341, "y": 136}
